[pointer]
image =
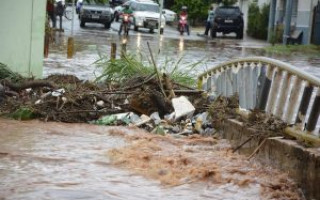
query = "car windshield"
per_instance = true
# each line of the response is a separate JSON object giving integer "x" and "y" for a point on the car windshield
{"x": 228, "y": 10}
{"x": 148, "y": 7}
{"x": 95, "y": 2}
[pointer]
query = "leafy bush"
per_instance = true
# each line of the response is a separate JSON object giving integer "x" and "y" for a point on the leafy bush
{"x": 197, "y": 9}
{"x": 258, "y": 20}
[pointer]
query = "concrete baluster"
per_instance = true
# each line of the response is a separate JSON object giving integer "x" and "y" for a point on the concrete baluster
{"x": 315, "y": 112}
{"x": 304, "y": 105}
{"x": 293, "y": 101}
{"x": 264, "y": 84}
{"x": 274, "y": 91}
{"x": 229, "y": 80}
{"x": 242, "y": 94}
{"x": 284, "y": 92}
{"x": 254, "y": 77}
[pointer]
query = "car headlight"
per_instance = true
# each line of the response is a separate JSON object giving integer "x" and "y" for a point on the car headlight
{"x": 105, "y": 12}
{"x": 139, "y": 18}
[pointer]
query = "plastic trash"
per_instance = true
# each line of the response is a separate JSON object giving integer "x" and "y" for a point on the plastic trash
{"x": 156, "y": 118}
{"x": 58, "y": 92}
{"x": 182, "y": 107}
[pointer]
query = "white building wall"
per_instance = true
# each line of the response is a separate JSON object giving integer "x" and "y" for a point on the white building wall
{"x": 22, "y": 25}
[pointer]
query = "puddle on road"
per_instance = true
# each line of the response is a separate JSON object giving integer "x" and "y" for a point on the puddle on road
{"x": 81, "y": 161}
{"x": 89, "y": 48}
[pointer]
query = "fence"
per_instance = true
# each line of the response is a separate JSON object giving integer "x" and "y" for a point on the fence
{"x": 271, "y": 86}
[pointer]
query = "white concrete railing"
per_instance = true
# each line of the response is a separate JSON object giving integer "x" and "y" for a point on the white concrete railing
{"x": 269, "y": 85}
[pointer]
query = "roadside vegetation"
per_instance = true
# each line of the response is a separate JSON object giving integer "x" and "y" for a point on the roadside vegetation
{"x": 129, "y": 66}
{"x": 198, "y": 9}
{"x": 258, "y": 21}
{"x": 309, "y": 50}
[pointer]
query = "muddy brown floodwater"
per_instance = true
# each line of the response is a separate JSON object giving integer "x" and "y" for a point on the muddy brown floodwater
{"x": 81, "y": 161}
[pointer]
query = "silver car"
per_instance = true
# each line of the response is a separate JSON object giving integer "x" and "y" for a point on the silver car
{"x": 96, "y": 12}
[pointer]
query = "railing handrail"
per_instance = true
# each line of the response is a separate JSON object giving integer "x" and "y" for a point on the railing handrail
{"x": 282, "y": 65}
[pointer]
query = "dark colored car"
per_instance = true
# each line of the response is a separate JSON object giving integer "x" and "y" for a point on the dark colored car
{"x": 96, "y": 13}
{"x": 117, "y": 2}
{"x": 227, "y": 19}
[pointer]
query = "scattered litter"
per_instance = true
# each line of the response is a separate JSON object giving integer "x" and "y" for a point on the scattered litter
{"x": 182, "y": 107}
{"x": 58, "y": 93}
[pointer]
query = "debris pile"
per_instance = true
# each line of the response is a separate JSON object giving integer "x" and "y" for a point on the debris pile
{"x": 156, "y": 103}
{"x": 143, "y": 101}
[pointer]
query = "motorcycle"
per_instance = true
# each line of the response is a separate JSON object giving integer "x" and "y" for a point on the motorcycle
{"x": 125, "y": 24}
{"x": 183, "y": 25}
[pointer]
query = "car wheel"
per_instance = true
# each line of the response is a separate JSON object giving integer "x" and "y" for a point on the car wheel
{"x": 116, "y": 14}
{"x": 240, "y": 34}
{"x": 161, "y": 31}
{"x": 136, "y": 28}
{"x": 107, "y": 25}
{"x": 82, "y": 23}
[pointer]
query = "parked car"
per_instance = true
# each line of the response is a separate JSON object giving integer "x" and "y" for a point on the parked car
{"x": 227, "y": 19}
{"x": 92, "y": 11}
{"x": 169, "y": 15}
{"x": 146, "y": 14}
{"x": 117, "y": 2}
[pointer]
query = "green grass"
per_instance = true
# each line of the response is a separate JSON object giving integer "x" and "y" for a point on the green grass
{"x": 292, "y": 49}
{"x": 119, "y": 70}
{"x": 6, "y": 73}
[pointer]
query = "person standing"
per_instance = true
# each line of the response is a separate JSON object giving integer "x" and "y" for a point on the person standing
{"x": 51, "y": 13}
{"x": 60, "y": 10}
{"x": 209, "y": 20}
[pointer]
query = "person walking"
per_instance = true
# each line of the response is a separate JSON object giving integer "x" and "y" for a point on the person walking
{"x": 209, "y": 20}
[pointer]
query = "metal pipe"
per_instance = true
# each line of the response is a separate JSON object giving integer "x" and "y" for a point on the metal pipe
{"x": 315, "y": 112}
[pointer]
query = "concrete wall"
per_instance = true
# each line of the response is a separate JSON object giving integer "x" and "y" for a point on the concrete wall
{"x": 22, "y": 29}
{"x": 303, "y": 20}
{"x": 302, "y": 164}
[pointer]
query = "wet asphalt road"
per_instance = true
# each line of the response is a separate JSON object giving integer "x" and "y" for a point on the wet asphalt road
{"x": 94, "y": 41}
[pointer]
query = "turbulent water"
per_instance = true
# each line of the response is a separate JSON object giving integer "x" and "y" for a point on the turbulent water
{"x": 80, "y": 161}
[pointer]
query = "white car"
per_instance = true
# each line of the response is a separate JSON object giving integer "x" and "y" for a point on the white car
{"x": 169, "y": 15}
{"x": 146, "y": 14}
